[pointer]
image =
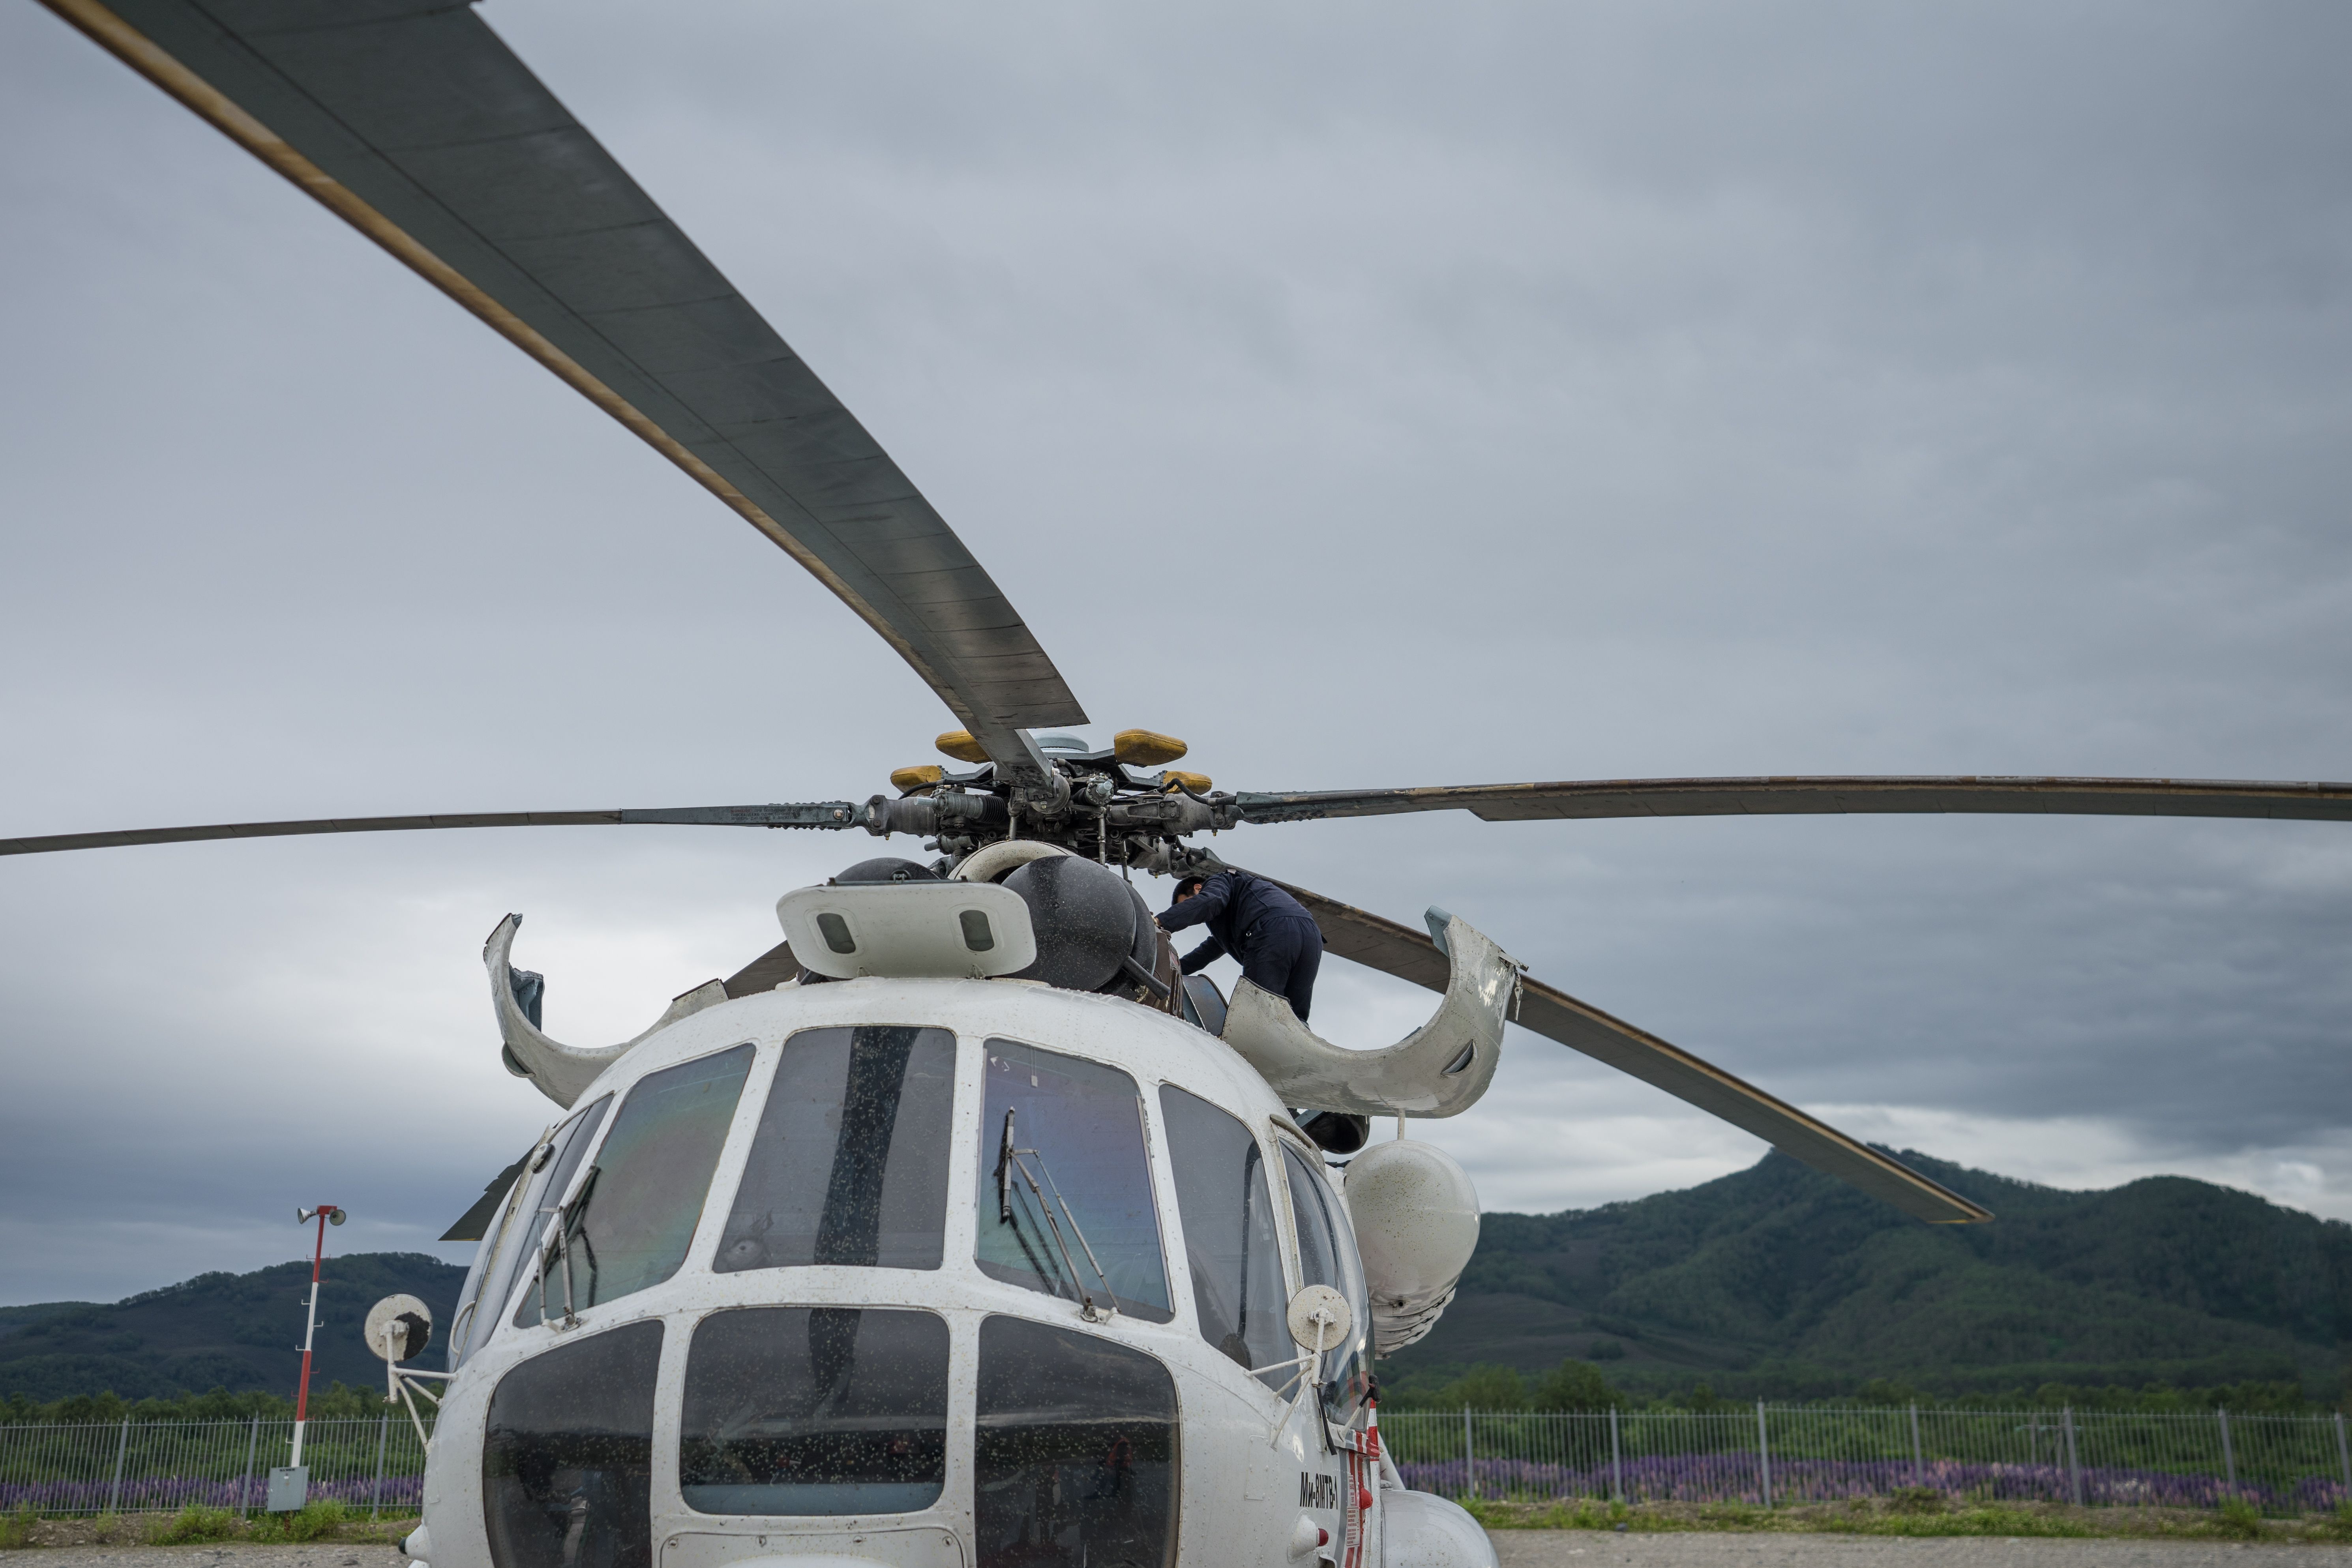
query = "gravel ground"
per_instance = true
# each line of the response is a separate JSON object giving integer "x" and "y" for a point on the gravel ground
{"x": 1593, "y": 1549}
{"x": 226, "y": 1554}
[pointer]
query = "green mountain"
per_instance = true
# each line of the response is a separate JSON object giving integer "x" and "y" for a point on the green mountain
{"x": 236, "y": 1331}
{"x": 1772, "y": 1281}
{"x": 1780, "y": 1281}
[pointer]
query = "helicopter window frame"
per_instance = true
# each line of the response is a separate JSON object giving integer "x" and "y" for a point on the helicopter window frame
{"x": 1352, "y": 1282}
{"x": 568, "y": 1146}
{"x": 1277, "y": 1209}
{"x": 1158, "y": 1195}
{"x": 737, "y": 1160}
{"x": 672, "y": 1488}
{"x": 523, "y": 1313}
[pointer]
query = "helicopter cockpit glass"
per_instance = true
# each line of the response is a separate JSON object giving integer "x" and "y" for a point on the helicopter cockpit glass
{"x": 635, "y": 1216}
{"x": 815, "y": 1410}
{"x": 850, "y": 1162}
{"x": 567, "y": 1458}
{"x": 1229, "y": 1233}
{"x": 1326, "y": 1256}
{"x": 511, "y": 1249}
{"x": 1065, "y": 1200}
{"x": 1075, "y": 1450}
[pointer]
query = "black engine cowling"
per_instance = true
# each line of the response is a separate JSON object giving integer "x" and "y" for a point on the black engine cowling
{"x": 1086, "y": 920}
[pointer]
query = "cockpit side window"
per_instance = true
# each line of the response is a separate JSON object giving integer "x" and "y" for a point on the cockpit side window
{"x": 1064, "y": 1201}
{"x": 1326, "y": 1256}
{"x": 1229, "y": 1233}
{"x": 514, "y": 1246}
{"x": 634, "y": 1218}
{"x": 850, "y": 1162}
{"x": 815, "y": 1410}
{"x": 567, "y": 1455}
{"x": 1075, "y": 1450}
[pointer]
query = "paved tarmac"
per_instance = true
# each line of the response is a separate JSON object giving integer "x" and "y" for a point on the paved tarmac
{"x": 1594, "y": 1549}
{"x": 1518, "y": 1548}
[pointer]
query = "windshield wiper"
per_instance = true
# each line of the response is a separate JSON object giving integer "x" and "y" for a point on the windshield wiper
{"x": 1009, "y": 1163}
{"x": 568, "y": 1219}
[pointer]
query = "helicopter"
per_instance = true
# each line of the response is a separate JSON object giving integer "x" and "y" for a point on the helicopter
{"x": 874, "y": 1251}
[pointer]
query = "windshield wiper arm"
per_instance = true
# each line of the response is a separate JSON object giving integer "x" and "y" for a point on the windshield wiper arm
{"x": 1009, "y": 1162}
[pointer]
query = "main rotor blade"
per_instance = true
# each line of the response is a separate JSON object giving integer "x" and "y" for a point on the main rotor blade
{"x": 471, "y": 1225}
{"x": 765, "y": 972}
{"x": 413, "y": 122}
{"x": 1823, "y": 795}
{"x": 1397, "y": 950}
{"x": 833, "y": 814}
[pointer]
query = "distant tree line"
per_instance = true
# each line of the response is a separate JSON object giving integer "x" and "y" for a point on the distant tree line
{"x": 336, "y": 1401}
{"x": 1579, "y": 1386}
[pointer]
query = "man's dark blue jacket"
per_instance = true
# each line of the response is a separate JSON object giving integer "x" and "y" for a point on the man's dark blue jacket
{"x": 1229, "y": 903}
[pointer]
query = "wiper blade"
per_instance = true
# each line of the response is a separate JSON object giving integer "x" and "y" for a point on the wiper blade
{"x": 1010, "y": 1164}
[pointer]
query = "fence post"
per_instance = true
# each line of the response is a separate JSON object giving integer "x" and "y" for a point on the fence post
{"x": 2229, "y": 1453}
{"x": 114, "y": 1499}
{"x": 2074, "y": 1463}
{"x": 1469, "y": 1456}
{"x": 244, "y": 1482}
{"x": 1763, "y": 1458}
{"x": 1616, "y": 1458}
{"x": 1918, "y": 1455}
{"x": 375, "y": 1497}
{"x": 2344, "y": 1456}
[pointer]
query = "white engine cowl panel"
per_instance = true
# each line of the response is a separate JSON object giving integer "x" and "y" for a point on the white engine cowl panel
{"x": 1416, "y": 1221}
{"x": 1440, "y": 1069}
{"x": 563, "y": 1072}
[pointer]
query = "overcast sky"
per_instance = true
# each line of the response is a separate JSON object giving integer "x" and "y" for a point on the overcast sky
{"x": 1369, "y": 395}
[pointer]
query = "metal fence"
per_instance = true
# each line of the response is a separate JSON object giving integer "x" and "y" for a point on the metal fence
{"x": 133, "y": 1466}
{"x": 1768, "y": 1455}
{"x": 2282, "y": 1463}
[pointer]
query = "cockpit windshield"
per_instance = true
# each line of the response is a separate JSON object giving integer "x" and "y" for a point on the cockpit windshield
{"x": 815, "y": 1410}
{"x": 1229, "y": 1234}
{"x": 547, "y": 1176}
{"x": 635, "y": 1216}
{"x": 850, "y": 1162}
{"x": 1066, "y": 1203}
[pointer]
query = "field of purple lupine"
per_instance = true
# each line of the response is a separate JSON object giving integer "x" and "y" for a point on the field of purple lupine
{"x": 127, "y": 1468}
{"x": 2282, "y": 1464}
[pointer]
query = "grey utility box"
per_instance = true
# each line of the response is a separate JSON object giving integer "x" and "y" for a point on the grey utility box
{"x": 289, "y": 1488}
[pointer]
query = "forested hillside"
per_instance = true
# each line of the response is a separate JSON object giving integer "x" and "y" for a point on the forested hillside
{"x": 227, "y": 1330}
{"x": 1773, "y": 1281}
{"x": 1778, "y": 1281}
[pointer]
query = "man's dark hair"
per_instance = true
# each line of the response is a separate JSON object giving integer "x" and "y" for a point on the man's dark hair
{"x": 1187, "y": 884}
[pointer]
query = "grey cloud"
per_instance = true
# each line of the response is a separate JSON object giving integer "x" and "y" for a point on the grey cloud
{"x": 1403, "y": 395}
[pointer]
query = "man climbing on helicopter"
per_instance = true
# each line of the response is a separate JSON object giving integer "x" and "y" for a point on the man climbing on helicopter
{"x": 1277, "y": 941}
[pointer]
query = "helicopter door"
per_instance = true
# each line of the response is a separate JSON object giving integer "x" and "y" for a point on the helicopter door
{"x": 1075, "y": 1451}
{"x": 1230, "y": 1242}
{"x": 567, "y": 1456}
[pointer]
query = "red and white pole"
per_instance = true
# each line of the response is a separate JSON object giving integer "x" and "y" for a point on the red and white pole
{"x": 322, "y": 1214}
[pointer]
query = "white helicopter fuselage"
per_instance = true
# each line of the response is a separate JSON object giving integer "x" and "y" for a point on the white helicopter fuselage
{"x": 1028, "y": 1425}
